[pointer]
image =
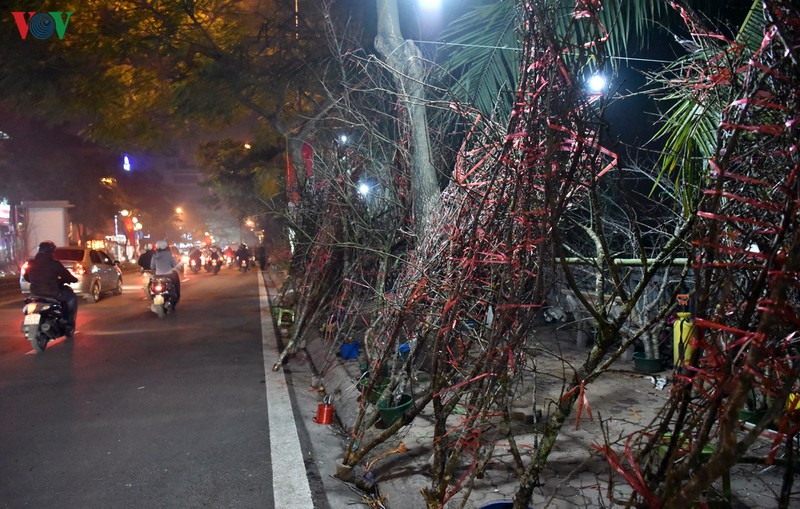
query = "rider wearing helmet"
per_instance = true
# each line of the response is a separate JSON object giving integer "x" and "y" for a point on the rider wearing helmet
{"x": 144, "y": 258}
{"x": 164, "y": 264}
{"x": 243, "y": 253}
{"x": 49, "y": 278}
{"x": 144, "y": 263}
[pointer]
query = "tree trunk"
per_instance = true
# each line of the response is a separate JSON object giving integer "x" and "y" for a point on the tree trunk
{"x": 405, "y": 61}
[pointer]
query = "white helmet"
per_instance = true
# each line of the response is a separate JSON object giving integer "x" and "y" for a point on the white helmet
{"x": 161, "y": 244}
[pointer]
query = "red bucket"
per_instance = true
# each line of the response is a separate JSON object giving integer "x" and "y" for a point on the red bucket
{"x": 324, "y": 412}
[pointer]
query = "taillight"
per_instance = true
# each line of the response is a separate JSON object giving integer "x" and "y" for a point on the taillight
{"x": 24, "y": 268}
{"x": 158, "y": 287}
{"x": 30, "y": 308}
{"x": 78, "y": 269}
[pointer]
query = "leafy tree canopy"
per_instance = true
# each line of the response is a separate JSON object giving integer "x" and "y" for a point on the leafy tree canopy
{"x": 136, "y": 71}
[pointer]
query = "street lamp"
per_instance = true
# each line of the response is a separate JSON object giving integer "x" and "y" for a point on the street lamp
{"x": 430, "y": 5}
{"x": 597, "y": 83}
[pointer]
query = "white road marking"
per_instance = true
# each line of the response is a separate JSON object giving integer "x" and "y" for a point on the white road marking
{"x": 289, "y": 480}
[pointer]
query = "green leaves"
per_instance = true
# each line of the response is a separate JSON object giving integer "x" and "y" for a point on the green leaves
{"x": 483, "y": 56}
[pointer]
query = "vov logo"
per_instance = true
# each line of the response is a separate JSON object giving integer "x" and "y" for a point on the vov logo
{"x": 42, "y": 25}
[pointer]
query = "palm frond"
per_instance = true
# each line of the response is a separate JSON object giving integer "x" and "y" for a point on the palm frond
{"x": 751, "y": 33}
{"x": 481, "y": 51}
{"x": 482, "y": 55}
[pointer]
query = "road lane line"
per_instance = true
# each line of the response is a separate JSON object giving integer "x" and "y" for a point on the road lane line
{"x": 291, "y": 488}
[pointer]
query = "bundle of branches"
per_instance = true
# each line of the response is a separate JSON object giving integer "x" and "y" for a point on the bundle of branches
{"x": 316, "y": 264}
{"x": 352, "y": 219}
{"x": 747, "y": 272}
{"x": 475, "y": 282}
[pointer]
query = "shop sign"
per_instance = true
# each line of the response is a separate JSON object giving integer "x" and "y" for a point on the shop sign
{"x": 5, "y": 213}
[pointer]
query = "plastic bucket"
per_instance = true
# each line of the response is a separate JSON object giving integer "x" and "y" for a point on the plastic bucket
{"x": 647, "y": 365}
{"x": 391, "y": 414}
{"x": 500, "y": 504}
{"x": 349, "y": 351}
{"x": 377, "y": 389}
{"x": 324, "y": 414}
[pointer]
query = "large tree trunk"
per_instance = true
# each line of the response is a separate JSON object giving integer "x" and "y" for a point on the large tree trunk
{"x": 405, "y": 61}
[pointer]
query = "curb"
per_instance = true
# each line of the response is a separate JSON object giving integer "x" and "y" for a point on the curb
{"x": 338, "y": 377}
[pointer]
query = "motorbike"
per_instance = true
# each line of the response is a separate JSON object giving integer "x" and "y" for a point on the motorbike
{"x": 194, "y": 265}
{"x": 43, "y": 321}
{"x": 163, "y": 295}
{"x": 213, "y": 264}
{"x": 244, "y": 265}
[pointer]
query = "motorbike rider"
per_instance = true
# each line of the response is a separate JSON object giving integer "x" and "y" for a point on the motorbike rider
{"x": 48, "y": 278}
{"x": 214, "y": 254}
{"x": 144, "y": 263}
{"x": 196, "y": 256}
{"x": 243, "y": 254}
{"x": 144, "y": 258}
{"x": 164, "y": 264}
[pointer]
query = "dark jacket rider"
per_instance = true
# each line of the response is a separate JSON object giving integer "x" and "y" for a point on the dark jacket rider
{"x": 146, "y": 257}
{"x": 48, "y": 278}
{"x": 243, "y": 253}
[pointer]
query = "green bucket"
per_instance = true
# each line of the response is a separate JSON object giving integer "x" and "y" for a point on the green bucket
{"x": 392, "y": 414}
{"x": 647, "y": 365}
{"x": 377, "y": 389}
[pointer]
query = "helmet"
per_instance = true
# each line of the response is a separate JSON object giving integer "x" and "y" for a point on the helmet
{"x": 161, "y": 244}
{"x": 48, "y": 246}
{"x": 148, "y": 247}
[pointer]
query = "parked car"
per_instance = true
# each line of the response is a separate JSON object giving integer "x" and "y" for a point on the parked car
{"x": 96, "y": 271}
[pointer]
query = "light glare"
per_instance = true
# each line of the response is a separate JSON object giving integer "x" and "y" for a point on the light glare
{"x": 430, "y": 5}
{"x": 597, "y": 83}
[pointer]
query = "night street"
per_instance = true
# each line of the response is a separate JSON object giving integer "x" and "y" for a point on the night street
{"x": 488, "y": 255}
{"x": 139, "y": 411}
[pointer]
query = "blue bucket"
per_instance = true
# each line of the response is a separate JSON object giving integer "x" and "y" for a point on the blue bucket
{"x": 349, "y": 351}
{"x": 500, "y": 504}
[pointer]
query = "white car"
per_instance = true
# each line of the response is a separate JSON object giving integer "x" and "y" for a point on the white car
{"x": 96, "y": 271}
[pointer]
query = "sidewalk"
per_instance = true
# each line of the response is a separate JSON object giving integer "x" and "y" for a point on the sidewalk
{"x": 623, "y": 399}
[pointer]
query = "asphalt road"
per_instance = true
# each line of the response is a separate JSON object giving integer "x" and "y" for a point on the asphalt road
{"x": 138, "y": 411}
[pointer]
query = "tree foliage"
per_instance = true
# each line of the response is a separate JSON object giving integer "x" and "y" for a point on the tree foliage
{"x": 137, "y": 71}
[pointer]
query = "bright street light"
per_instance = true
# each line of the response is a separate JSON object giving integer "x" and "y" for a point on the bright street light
{"x": 178, "y": 210}
{"x": 597, "y": 83}
{"x": 430, "y": 5}
{"x": 363, "y": 189}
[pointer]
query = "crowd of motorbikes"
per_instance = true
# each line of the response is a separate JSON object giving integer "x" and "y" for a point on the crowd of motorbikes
{"x": 44, "y": 318}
